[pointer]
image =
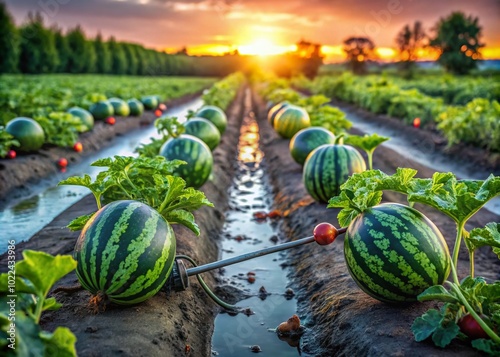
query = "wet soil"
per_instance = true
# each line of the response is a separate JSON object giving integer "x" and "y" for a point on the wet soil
{"x": 341, "y": 319}
{"x": 169, "y": 322}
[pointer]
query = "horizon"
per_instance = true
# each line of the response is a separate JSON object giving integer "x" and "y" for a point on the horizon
{"x": 256, "y": 27}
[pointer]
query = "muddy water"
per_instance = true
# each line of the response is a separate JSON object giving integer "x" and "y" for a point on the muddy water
{"x": 26, "y": 217}
{"x": 234, "y": 335}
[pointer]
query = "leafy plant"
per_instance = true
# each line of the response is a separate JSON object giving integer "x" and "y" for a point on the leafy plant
{"x": 368, "y": 143}
{"x": 144, "y": 179}
{"x": 7, "y": 141}
{"x": 33, "y": 277}
{"x": 61, "y": 128}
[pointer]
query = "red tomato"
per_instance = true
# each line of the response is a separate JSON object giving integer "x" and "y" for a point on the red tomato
{"x": 62, "y": 162}
{"x": 325, "y": 233}
{"x": 78, "y": 147}
{"x": 260, "y": 215}
{"x": 158, "y": 113}
{"x": 274, "y": 214}
{"x": 251, "y": 279}
{"x": 110, "y": 120}
{"x": 469, "y": 326}
{"x": 162, "y": 107}
{"x": 416, "y": 122}
{"x": 11, "y": 154}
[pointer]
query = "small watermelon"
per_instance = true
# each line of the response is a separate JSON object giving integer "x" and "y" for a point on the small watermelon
{"x": 215, "y": 115}
{"x": 273, "y": 112}
{"x": 306, "y": 140}
{"x": 84, "y": 115}
{"x": 393, "y": 252}
{"x": 290, "y": 120}
{"x": 195, "y": 152}
{"x": 204, "y": 130}
{"x": 329, "y": 166}
{"x": 28, "y": 132}
{"x": 102, "y": 110}
{"x": 150, "y": 102}
{"x": 120, "y": 107}
{"x": 126, "y": 252}
{"x": 136, "y": 107}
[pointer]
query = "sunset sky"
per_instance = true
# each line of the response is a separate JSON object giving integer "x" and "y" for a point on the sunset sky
{"x": 257, "y": 26}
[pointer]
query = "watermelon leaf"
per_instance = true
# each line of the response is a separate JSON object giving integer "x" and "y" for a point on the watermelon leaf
{"x": 445, "y": 333}
{"x": 487, "y": 236}
{"x": 61, "y": 342}
{"x": 367, "y": 143}
{"x": 78, "y": 223}
{"x": 437, "y": 292}
{"x": 487, "y": 346}
{"x": 425, "y": 325}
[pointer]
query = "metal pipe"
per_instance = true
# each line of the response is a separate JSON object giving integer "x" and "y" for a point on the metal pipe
{"x": 240, "y": 258}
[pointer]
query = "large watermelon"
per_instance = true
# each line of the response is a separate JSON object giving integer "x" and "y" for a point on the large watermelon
{"x": 329, "y": 166}
{"x": 394, "y": 253}
{"x": 150, "y": 102}
{"x": 28, "y": 132}
{"x": 125, "y": 252}
{"x": 197, "y": 155}
{"x": 204, "y": 130}
{"x": 306, "y": 140}
{"x": 274, "y": 111}
{"x": 214, "y": 114}
{"x": 120, "y": 107}
{"x": 136, "y": 107}
{"x": 84, "y": 115}
{"x": 101, "y": 110}
{"x": 291, "y": 120}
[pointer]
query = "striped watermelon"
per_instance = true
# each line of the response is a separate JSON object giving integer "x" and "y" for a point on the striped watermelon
{"x": 204, "y": 130}
{"x": 274, "y": 111}
{"x": 291, "y": 120}
{"x": 197, "y": 155}
{"x": 394, "y": 253}
{"x": 306, "y": 140}
{"x": 214, "y": 114}
{"x": 329, "y": 166}
{"x": 28, "y": 132}
{"x": 126, "y": 252}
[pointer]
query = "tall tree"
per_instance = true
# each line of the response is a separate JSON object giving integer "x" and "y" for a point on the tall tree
{"x": 409, "y": 41}
{"x": 63, "y": 50}
{"x": 103, "y": 56}
{"x": 118, "y": 58}
{"x": 359, "y": 50}
{"x": 458, "y": 41}
{"x": 9, "y": 42}
{"x": 79, "y": 51}
{"x": 38, "y": 48}
{"x": 132, "y": 59}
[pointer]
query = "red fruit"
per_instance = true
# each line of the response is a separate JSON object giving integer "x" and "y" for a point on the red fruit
{"x": 260, "y": 215}
{"x": 158, "y": 113}
{"x": 250, "y": 273}
{"x": 325, "y": 233}
{"x": 62, "y": 162}
{"x": 469, "y": 326}
{"x": 251, "y": 279}
{"x": 274, "y": 214}
{"x": 110, "y": 120}
{"x": 11, "y": 154}
{"x": 78, "y": 147}
{"x": 416, "y": 122}
{"x": 162, "y": 107}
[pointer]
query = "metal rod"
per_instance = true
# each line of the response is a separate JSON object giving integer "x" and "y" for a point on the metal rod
{"x": 240, "y": 258}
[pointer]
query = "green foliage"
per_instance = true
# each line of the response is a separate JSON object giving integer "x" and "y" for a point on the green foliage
{"x": 103, "y": 55}
{"x": 82, "y": 56}
{"x": 458, "y": 40}
{"x": 152, "y": 148}
{"x": 143, "y": 179}
{"x": 118, "y": 58}
{"x": 63, "y": 50}
{"x": 61, "y": 128}
{"x": 7, "y": 141}
{"x": 368, "y": 143}
{"x": 34, "y": 276}
{"x": 9, "y": 42}
{"x": 222, "y": 93}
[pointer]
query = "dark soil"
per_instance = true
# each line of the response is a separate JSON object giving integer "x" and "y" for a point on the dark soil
{"x": 341, "y": 319}
{"x": 167, "y": 323}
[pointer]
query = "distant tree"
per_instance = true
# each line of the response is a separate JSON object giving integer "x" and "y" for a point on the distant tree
{"x": 9, "y": 42}
{"x": 103, "y": 56}
{"x": 38, "y": 48}
{"x": 132, "y": 60}
{"x": 311, "y": 57}
{"x": 359, "y": 50}
{"x": 118, "y": 58}
{"x": 63, "y": 50}
{"x": 458, "y": 41}
{"x": 183, "y": 51}
{"x": 409, "y": 41}
{"x": 79, "y": 60}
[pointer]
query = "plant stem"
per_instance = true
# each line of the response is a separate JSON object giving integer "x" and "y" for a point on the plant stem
{"x": 370, "y": 159}
{"x": 454, "y": 273}
{"x": 458, "y": 241}
{"x": 471, "y": 262}
{"x": 39, "y": 306}
{"x": 495, "y": 338}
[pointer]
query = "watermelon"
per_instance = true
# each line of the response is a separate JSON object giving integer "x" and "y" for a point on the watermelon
{"x": 195, "y": 152}
{"x": 204, "y": 130}
{"x": 28, "y": 132}
{"x": 126, "y": 252}
{"x": 290, "y": 120}
{"x": 150, "y": 102}
{"x": 215, "y": 115}
{"x": 307, "y": 140}
{"x": 120, "y": 107}
{"x": 393, "y": 252}
{"x": 273, "y": 112}
{"x": 329, "y": 166}
{"x": 84, "y": 115}
{"x": 102, "y": 110}
{"x": 136, "y": 107}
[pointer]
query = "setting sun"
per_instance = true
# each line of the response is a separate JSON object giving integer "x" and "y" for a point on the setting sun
{"x": 264, "y": 47}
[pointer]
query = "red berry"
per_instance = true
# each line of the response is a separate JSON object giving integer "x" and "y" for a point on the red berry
{"x": 162, "y": 107}
{"x": 158, "y": 113}
{"x": 251, "y": 279}
{"x": 11, "y": 154}
{"x": 110, "y": 120}
{"x": 62, "y": 162}
{"x": 260, "y": 215}
{"x": 416, "y": 122}
{"x": 78, "y": 147}
{"x": 325, "y": 233}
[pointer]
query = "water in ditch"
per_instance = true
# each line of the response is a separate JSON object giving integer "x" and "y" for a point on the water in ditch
{"x": 242, "y": 233}
{"x": 26, "y": 217}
